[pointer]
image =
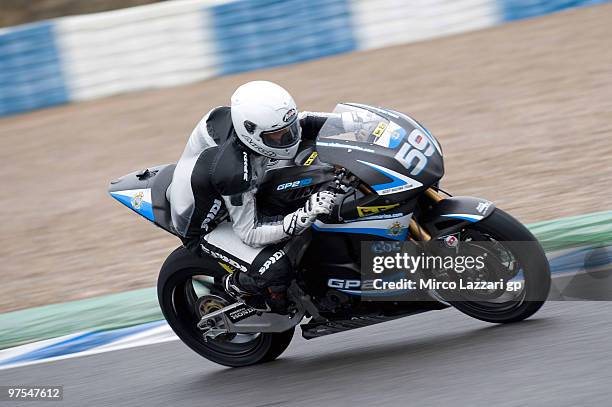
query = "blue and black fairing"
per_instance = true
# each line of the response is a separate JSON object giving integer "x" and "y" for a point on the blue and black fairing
{"x": 145, "y": 193}
{"x": 285, "y": 187}
{"x": 387, "y": 169}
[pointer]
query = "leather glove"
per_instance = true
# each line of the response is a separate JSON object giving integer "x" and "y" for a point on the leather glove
{"x": 320, "y": 203}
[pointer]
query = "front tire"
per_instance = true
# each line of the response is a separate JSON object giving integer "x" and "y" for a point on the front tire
{"x": 504, "y": 228}
{"x": 177, "y": 298}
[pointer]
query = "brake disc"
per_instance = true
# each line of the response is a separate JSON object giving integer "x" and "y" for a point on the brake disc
{"x": 210, "y": 303}
{"x": 215, "y": 327}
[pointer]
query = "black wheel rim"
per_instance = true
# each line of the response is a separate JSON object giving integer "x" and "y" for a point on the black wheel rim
{"x": 502, "y": 260}
{"x": 185, "y": 293}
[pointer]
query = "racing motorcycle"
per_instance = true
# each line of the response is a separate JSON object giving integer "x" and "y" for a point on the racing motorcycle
{"x": 387, "y": 169}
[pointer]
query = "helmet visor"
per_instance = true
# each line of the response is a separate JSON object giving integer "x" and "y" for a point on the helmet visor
{"x": 285, "y": 137}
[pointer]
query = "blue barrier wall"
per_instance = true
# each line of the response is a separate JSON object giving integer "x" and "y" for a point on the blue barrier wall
{"x": 255, "y": 34}
{"x": 176, "y": 42}
{"x": 30, "y": 69}
{"x": 520, "y": 9}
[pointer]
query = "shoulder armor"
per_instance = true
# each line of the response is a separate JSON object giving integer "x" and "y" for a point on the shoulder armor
{"x": 219, "y": 124}
{"x": 232, "y": 171}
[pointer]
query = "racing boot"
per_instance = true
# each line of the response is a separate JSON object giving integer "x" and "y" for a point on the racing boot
{"x": 277, "y": 299}
{"x": 232, "y": 286}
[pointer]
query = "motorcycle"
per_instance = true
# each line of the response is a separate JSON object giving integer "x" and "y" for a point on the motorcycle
{"x": 387, "y": 169}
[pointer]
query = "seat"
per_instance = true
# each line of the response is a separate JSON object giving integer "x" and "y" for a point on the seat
{"x": 159, "y": 185}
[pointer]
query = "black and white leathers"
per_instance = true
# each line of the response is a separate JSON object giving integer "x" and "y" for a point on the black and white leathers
{"x": 217, "y": 175}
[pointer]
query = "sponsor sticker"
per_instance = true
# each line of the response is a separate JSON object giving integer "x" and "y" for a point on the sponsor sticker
{"x": 349, "y": 147}
{"x": 289, "y": 115}
{"x": 391, "y": 137}
{"x": 227, "y": 267}
{"x": 137, "y": 200}
{"x": 239, "y": 313}
{"x": 363, "y": 211}
{"x": 377, "y": 217}
{"x": 379, "y": 130}
{"x": 395, "y": 229}
{"x": 311, "y": 158}
{"x": 396, "y": 137}
{"x": 295, "y": 184}
{"x": 482, "y": 207}
{"x": 451, "y": 241}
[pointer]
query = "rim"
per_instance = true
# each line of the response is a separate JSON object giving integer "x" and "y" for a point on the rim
{"x": 186, "y": 307}
{"x": 501, "y": 263}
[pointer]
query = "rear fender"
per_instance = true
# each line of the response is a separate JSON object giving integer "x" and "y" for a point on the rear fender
{"x": 451, "y": 214}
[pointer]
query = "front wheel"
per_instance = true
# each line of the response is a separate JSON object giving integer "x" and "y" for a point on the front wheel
{"x": 518, "y": 257}
{"x": 181, "y": 293}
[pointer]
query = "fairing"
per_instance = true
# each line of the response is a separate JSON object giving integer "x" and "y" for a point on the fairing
{"x": 389, "y": 151}
{"x": 145, "y": 193}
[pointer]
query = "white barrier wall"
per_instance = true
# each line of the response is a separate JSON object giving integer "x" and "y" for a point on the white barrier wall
{"x": 380, "y": 23}
{"x": 160, "y": 45}
{"x": 182, "y": 41}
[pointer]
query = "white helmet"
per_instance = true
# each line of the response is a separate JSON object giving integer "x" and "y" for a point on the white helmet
{"x": 265, "y": 119}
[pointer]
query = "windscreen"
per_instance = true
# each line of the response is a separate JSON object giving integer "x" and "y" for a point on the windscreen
{"x": 352, "y": 123}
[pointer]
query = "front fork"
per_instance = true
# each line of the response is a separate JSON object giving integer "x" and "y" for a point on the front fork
{"x": 416, "y": 229}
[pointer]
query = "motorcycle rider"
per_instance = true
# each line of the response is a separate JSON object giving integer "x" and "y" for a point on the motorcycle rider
{"x": 218, "y": 175}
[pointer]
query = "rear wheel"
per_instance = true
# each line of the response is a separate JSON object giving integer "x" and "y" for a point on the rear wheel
{"x": 513, "y": 254}
{"x": 184, "y": 294}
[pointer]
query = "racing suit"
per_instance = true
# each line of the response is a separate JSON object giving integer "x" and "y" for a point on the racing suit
{"x": 213, "y": 201}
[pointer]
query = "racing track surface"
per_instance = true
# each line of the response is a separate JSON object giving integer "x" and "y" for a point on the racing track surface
{"x": 561, "y": 357}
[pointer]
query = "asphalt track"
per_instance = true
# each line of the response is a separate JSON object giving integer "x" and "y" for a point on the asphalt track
{"x": 560, "y": 357}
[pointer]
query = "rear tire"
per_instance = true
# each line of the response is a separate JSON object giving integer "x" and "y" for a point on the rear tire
{"x": 176, "y": 300}
{"x": 504, "y": 227}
